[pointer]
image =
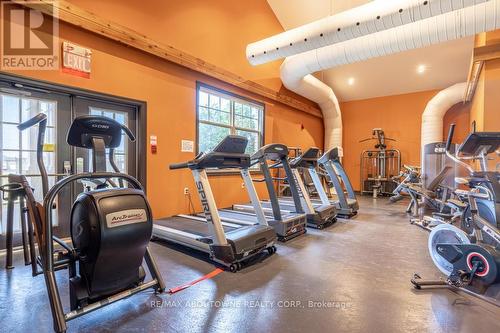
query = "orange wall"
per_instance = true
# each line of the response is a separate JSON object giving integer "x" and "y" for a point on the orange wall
{"x": 216, "y": 31}
{"x": 400, "y": 118}
{"x": 170, "y": 90}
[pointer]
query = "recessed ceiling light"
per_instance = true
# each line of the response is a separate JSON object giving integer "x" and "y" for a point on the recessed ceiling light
{"x": 351, "y": 81}
{"x": 421, "y": 69}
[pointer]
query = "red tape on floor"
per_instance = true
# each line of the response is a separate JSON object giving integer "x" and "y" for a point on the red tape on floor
{"x": 192, "y": 283}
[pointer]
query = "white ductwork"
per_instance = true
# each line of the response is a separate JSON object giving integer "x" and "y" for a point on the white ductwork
{"x": 316, "y": 91}
{"x": 375, "y": 16}
{"x": 453, "y": 25}
{"x": 432, "y": 118}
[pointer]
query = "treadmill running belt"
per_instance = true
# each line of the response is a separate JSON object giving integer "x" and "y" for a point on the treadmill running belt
{"x": 187, "y": 225}
{"x": 233, "y": 215}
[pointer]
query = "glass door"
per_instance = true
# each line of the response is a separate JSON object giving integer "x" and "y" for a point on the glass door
{"x": 19, "y": 103}
{"x": 18, "y": 149}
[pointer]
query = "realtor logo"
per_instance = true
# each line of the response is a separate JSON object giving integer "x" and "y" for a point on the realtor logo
{"x": 29, "y": 36}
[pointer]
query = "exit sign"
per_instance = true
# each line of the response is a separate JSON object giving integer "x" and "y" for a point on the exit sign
{"x": 76, "y": 60}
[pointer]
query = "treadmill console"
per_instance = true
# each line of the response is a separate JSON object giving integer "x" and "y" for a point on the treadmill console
{"x": 273, "y": 152}
{"x": 334, "y": 154}
{"x": 232, "y": 144}
{"x": 229, "y": 153}
{"x": 477, "y": 142}
{"x": 308, "y": 159}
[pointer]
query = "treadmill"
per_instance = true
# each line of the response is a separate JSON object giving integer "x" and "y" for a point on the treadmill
{"x": 347, "y": 205}
{"x": 320, "y": 214}
{"x": 300, "y": 203}
{"x": 228, "y": 244}
{"x": 288, "y": 224}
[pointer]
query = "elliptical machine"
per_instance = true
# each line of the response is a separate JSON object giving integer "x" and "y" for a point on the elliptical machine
{"x": 110, "y": 227}
{"x": 470, "y": 257}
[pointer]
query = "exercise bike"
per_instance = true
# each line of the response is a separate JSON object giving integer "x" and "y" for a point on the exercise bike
{"x": 110, "y": 227}
{"x": 470, "y": 258}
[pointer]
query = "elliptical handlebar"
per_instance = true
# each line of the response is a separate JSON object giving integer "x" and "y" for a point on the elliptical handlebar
{"x": 129, "y": 133}
{"x": 111, "y": 156}
{"x": 41, "y": 120}
{"x": 450, "y": 136}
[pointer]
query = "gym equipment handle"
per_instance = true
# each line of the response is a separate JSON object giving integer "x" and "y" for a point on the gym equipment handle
{"x": 32, "y": 122}
{"x": 176, "y": 166}
{"x": 450, "y": 137}
{"x": 128, "y": 132}
{"x": 40, "y": 119}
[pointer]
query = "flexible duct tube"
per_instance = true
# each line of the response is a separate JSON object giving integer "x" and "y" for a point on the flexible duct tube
{"x": 295, "y": 70}
{"x": 315, "y": 90}
{"x": 432, "y": 118}
{"x": 375, "y": 16}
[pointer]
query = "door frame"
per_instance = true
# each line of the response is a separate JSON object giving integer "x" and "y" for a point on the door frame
{"x": 20, "y": 82}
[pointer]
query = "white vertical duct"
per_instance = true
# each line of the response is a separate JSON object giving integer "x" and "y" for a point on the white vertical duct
{"x": 295, "y": 70}
{"x": 375, "y": 16}
{"x": 432, "y": 118}
{"x": 316, "y": 91}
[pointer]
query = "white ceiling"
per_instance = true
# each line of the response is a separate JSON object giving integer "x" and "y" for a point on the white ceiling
{"x": 446, "y": 63}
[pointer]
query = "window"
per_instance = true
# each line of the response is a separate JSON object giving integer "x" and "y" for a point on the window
{"x": 221, "y": 114}
{"x": 18, "y": 149}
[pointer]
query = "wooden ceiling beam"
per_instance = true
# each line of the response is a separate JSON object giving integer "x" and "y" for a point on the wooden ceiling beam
{"x": 487, "y": 52}
{"x": 86, "y": 20}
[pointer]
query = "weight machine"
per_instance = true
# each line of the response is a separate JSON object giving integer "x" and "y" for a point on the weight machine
{"x": 379, "y": 166}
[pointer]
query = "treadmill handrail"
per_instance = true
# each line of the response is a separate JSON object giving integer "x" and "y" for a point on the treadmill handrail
{"x": 176, "y": 166}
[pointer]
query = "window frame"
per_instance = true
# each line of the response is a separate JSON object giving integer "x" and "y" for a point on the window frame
{"x": 233, "y": 97}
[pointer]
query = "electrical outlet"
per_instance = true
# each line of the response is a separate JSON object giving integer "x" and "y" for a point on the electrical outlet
{"x": 242, "y": 185}
{"x": 186, "y": 190}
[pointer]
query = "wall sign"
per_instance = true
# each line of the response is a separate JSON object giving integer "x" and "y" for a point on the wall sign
{"x": 153, "y": 141}
{"x": 76, "y": 60}
{"x": 187, "y": 146}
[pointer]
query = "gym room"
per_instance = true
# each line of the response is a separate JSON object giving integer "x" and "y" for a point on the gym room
{"x": 250, "y": 166}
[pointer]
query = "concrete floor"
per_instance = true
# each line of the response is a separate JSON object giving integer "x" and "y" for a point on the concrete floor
{"x": 362, "y": 266}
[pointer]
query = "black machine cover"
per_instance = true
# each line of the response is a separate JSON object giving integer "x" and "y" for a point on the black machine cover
{"x": 111, "y": 229}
